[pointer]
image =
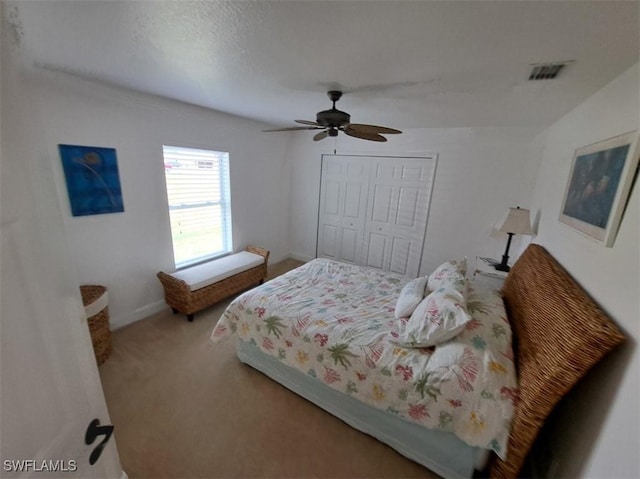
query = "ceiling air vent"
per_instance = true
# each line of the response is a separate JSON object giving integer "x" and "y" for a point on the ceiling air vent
{"x": 546, "y": 71}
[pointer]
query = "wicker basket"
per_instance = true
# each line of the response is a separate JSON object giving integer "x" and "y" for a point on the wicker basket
{"x": 98, "y": 321}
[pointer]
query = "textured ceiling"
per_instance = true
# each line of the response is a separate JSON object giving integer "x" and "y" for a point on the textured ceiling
{"x": 401, "y": 64}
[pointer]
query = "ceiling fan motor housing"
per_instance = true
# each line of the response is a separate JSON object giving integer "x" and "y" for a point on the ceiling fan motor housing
{"x": 333, "y": 118}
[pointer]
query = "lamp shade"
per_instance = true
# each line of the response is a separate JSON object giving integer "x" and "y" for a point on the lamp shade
{"x": 517, "y": 222}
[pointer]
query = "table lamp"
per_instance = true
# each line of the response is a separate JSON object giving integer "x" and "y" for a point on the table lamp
{"x": 517, "y": 223}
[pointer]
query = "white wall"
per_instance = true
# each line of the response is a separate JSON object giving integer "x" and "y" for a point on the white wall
{"x": 596, "y": 432}
{"x": 49, "y": 380}
{"x": 481, "y": 172}
{"x": 124, "y": 251}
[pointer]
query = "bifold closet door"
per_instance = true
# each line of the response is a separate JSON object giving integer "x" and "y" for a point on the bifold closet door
{"x": 342, "y": 212}
{"x": 373, "y": 210}
{"x": 397, "y": 212}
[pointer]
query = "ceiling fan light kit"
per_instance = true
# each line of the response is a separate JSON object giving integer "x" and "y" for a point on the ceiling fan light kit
{"x": 333, "y": 120}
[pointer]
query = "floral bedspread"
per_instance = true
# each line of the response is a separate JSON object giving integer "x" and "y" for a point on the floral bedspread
{"x": 331, "y": 321}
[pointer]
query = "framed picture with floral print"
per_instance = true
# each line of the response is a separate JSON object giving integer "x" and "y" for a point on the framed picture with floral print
{"x": 598, "y": 187}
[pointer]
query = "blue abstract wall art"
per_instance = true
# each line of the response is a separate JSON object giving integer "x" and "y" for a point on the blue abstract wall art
{"x": 93, "y": 182}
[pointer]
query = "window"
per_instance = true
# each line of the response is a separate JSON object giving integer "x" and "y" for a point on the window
{"x": 199, "y": 203}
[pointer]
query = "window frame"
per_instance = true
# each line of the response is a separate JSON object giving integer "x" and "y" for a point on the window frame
{"x": 224, "y": 185}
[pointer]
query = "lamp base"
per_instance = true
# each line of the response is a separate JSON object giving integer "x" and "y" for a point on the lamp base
{"x": 504, "y": 264}
{"x": 503, "y": 267}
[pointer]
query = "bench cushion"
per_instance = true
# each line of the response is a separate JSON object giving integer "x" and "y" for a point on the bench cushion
{"x": 208, "y": 273}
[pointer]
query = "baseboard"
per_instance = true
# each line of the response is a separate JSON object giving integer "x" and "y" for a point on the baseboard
{"x": 278, "y": 259}
{"x": 300, "y": 257}
{"x": 118, "y": 322}
{"x": 284, "y": 257}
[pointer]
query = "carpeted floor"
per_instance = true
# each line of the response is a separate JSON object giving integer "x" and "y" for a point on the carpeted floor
{"x": 184, "y": 407}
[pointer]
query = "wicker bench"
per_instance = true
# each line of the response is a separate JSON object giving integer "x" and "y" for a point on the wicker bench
{"x": 193, "y": 289}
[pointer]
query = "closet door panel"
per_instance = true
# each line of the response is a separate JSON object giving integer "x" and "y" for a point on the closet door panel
{"x": 400, "y": 255}
{"x": 382, "y": 201}
{"x": 408, "y": 207}
{"x": 350, "y": 245}
{"x": 343, "y": 200}
{"x": 331, "y": 203}
{"x": 329, "y": 227}
{"x": 328, "y": 246}
{"x": 376, "y": 253}
{"x": 373, "y": 211}
{"x": 398, "y": 209}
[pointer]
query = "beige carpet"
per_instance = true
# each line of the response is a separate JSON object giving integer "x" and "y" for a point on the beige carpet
{"x": 185, "y": 407}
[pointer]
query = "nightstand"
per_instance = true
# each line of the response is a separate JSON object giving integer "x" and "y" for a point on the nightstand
{"x": 487, "y": 275}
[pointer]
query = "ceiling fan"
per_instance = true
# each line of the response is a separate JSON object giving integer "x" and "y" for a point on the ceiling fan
{"x": 332, "y": 121}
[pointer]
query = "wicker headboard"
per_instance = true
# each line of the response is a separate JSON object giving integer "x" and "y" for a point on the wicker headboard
{"x": 560, "y": 333}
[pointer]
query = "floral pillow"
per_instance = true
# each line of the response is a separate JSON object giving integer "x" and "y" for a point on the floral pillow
{"x": 410, "y": 297}
{"x": 439, "y": 317}
{"x": 449, "y": 273}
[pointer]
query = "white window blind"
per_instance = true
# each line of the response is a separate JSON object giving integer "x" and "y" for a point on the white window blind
{"x": 199, "y": 203}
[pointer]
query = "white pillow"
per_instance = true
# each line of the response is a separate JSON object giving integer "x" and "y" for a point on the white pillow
{"x": 449, "y": 272}
{"x": 410, "y": 297}
{"x": 439, "y": 317}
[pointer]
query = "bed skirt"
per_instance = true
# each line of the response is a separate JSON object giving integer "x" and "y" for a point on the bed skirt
{"x": 440, "y": 452}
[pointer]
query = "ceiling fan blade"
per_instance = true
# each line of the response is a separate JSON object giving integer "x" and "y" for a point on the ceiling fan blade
{"x": 295, "y": 128}
{"x": 321, "y": 136}
{"x": 364, "y": 135}
{"x": 372, "y": 129}
{"x": 307, "y": 122}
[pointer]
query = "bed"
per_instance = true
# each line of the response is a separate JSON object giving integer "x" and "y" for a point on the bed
{"x": 329, "y": 332}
